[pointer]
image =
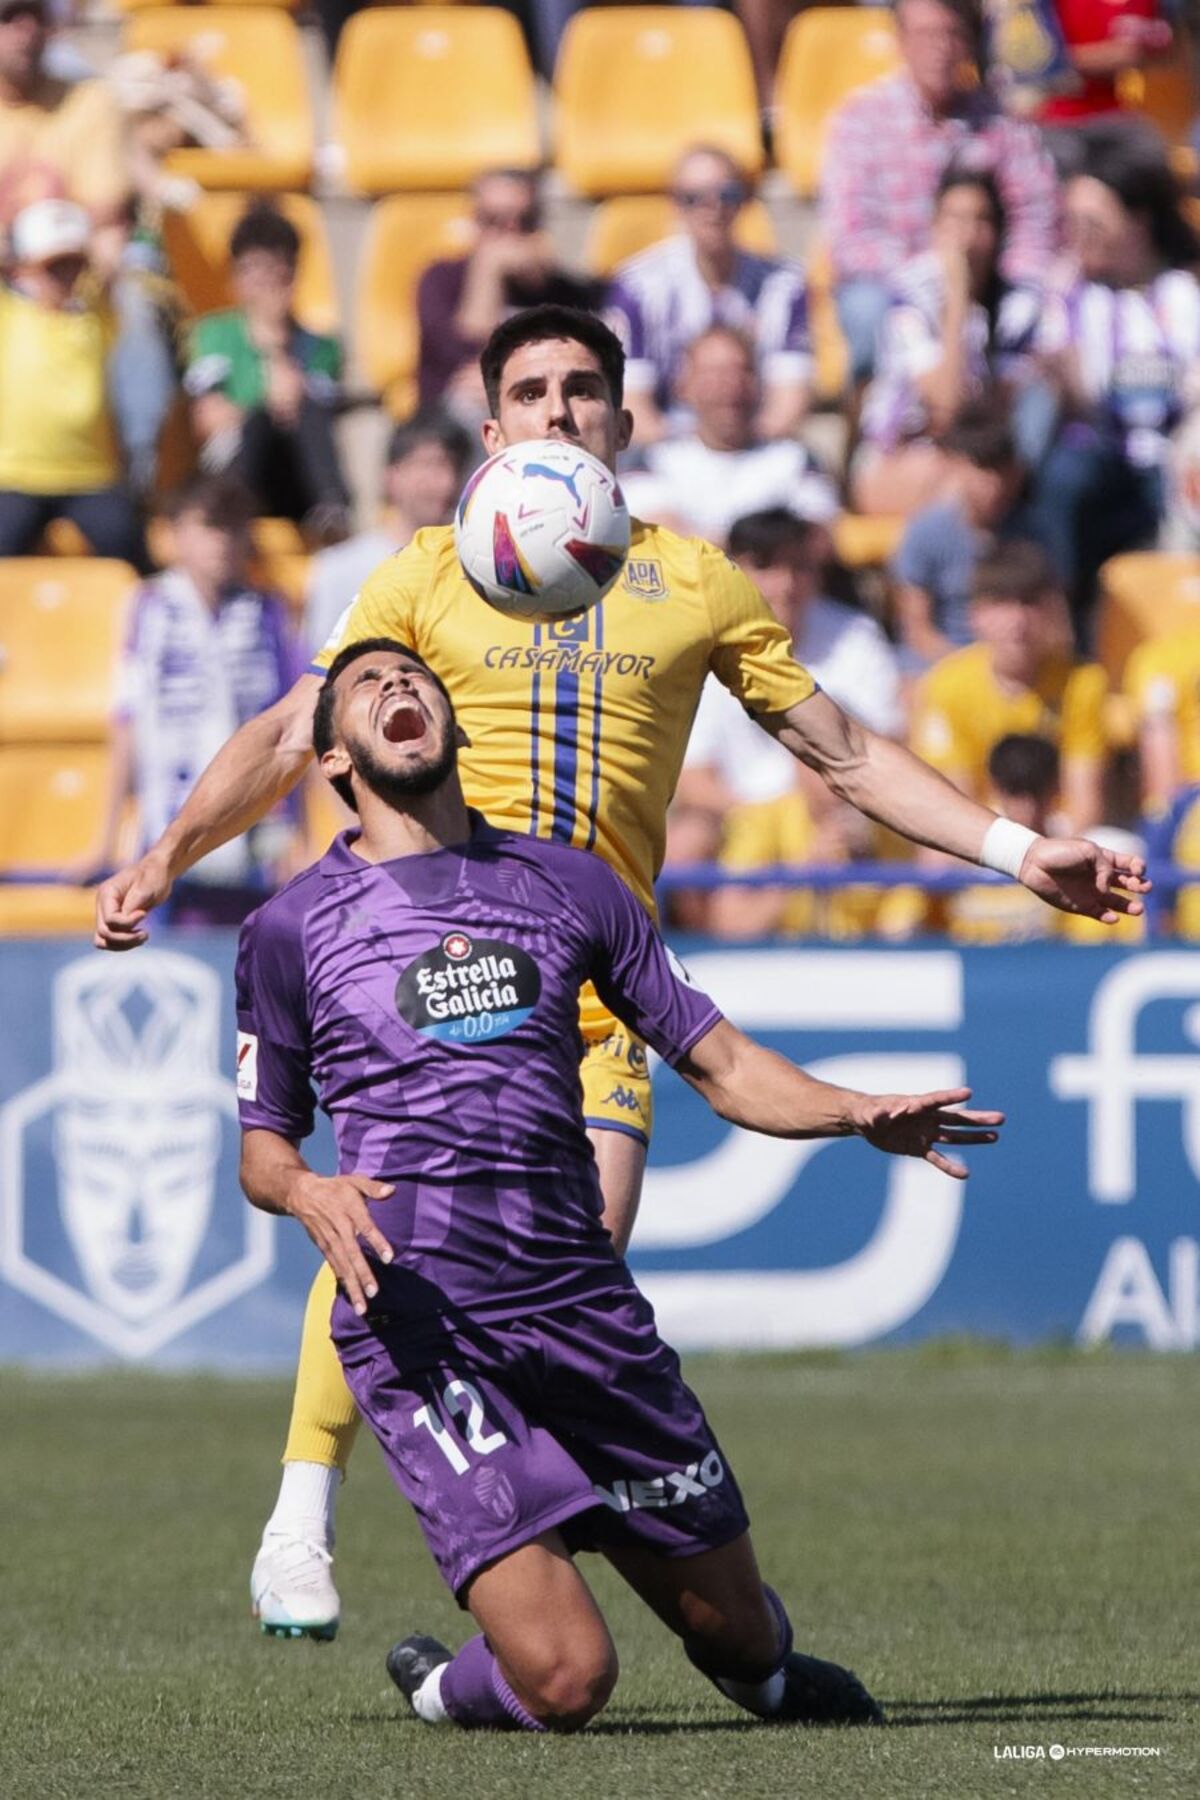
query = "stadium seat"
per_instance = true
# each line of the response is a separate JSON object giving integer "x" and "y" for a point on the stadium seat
{"x": 51, "y": 797}
{"x": 35, "y": 909}
{"x": 258, "y": 47}
{"x": 61, "y": 621}
{"x": 198, "y": 247}
{"x": 866, "y": 543}
{"x": 430, "y": 96}
{"x": 1146, "y": 593}
{"x": 635, "y": 85}
{"x": 827, "y": 53}
{"x": 1165, "y": 93}
{"x": 405, "y": 235}
{"x": 620, "y": 227}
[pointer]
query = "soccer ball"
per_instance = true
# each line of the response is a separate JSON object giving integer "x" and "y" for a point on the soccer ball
{"x": 542, "y": 530}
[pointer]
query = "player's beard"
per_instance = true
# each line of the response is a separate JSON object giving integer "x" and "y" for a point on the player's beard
{"x": 398, "y": 785}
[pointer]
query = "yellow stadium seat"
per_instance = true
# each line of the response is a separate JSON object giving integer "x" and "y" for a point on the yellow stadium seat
{"x": 1144, "y": 594}
{"x": 61, "y": 621}
{"x": 259, "y": 48}
{"x": 620, "y": 227}
{"x": 636, "y": 85}
{"x": 39, "y": 910}
{"x": 827, "y": 53}
{"x": 1165, "y": 93}
{"x": 51, "y": 800}
{"x": 405, "y": 235}
{"x": 866, "y": 543}
{"x": 198, "y": 247}
{"x": 431, "y": 96}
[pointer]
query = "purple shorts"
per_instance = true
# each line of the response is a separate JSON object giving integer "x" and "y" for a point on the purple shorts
{"x": 576, "y": 1418}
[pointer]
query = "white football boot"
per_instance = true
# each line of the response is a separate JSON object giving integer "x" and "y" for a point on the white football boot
{"x": 291, "y": 1587}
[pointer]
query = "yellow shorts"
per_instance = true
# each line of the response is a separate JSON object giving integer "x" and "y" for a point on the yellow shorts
{"x": 614, "y": 1073}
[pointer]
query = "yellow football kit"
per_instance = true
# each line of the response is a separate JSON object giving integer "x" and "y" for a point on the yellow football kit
{"x": 1162, "y": 678}
{"x": 960, "y": 713}
{"x": 577, "y": 732}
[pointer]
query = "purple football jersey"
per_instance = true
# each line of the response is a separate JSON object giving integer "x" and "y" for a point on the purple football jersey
{"x": 433, "y": 1004}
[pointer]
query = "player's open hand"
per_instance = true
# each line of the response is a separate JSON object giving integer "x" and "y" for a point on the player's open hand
{"x": 123, "y": 901}
{"x": 1078, "y": 876}
{"x": 915, "y": 1124}
{"x": 333, "y": 1210}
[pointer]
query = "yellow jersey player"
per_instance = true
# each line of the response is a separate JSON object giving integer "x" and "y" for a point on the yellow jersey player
{"x": 577, "y": 737}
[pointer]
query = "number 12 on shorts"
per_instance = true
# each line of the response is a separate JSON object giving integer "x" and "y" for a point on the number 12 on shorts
{"x": 461, "y": 1400}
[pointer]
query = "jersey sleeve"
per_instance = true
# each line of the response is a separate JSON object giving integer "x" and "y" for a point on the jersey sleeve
{"x": 387, "y": 604}
{"x": 1083, "y": 727}
{"x": 273, "y": 1054}
{"x": 751, "y": 652}
{"x": 635, "y": 974}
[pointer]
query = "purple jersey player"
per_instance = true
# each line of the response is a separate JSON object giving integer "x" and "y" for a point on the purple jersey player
{"x": 423, "y": 979}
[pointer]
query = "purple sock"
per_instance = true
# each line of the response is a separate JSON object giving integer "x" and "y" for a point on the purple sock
{"x": 476, "y": 1695}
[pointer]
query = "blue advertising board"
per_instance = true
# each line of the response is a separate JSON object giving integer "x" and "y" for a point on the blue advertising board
{"x": 123, "y": 1234}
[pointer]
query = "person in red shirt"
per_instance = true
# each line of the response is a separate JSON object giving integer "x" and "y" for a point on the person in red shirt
{"x": 1103, "y": 38}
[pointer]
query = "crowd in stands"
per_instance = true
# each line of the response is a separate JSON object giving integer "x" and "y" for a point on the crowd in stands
{"x": 1007, "y": 258}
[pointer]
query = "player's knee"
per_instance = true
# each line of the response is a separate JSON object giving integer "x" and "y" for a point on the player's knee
{"x": 574, "y": 1688}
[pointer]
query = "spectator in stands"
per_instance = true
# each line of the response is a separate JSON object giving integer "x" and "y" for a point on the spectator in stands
{"x": 778, "y": 812}
{"x": 264, "y": 389}
{"x": 1019, "y": 676}
{"x": 1123, "y": 344}
{"x": 58, "y": 448}
{"x": 1022, "y": 785}
{"x": 700, "y": 483}
{"x": 1162, "y": 680}
{"x": 58, "y": 139}
{"x": 935, "y": 563}
{"x": 954, "y": 327}
{"x": 460, "y": 301}
{"x": 665, "y": 297}
{"x": 1103, "y": 39}
{"x": 205, "y": 650}
{"x": 426, "y": 461}
{"x": 887, "y": 148}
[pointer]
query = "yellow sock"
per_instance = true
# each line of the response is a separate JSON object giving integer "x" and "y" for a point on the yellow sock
{"x": 324, "y": 1417}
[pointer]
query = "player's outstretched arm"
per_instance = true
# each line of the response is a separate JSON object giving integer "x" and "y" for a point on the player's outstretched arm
{"x": 332, "y": 1209}
{"x": 888, "y": 783}
{"x": 752, "y": 1086}
{"x": 261, "y": 763}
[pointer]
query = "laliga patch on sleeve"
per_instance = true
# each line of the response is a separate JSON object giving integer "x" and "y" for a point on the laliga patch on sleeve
{"x": 247, "y": 1066}
{"x": 677, "y": 968}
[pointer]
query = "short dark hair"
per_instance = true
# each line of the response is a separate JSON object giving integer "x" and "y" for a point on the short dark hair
{"x": 322, "y": 725}
{"x": 1131, "y": 160}
{"x": 1017, "y": 570}
{"x": 1024, "y": 765}
{"x": 539, "y": 324}
{"x": 981, "y": 434}
{"x": 221, "y": 501}
{"x": 429, "y": 426}
{"x": 263, "y": 227}
{"x": 764, "y": 537}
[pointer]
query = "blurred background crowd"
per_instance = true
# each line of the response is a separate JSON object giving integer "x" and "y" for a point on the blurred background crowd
{"x": 911, "y": 303}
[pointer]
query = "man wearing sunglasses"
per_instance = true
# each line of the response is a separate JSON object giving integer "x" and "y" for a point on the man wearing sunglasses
{"x": 461, "y": 300}
{"x": 664, "y": 298}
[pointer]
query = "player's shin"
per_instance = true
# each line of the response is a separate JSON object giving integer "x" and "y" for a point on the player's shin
{"x": 755, "y": 1688}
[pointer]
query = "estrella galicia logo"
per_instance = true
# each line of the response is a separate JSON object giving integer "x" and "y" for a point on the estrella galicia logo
{"x": 468, "y": 990}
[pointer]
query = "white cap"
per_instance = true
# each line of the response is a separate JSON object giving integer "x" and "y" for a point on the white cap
{"x": 47, "y": 229}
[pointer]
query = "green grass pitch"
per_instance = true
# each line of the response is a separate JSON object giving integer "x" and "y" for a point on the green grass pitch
{"x": 1006, "y": 1547}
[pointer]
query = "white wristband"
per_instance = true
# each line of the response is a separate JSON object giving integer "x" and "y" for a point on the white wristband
{"x": 1005, "y": 845}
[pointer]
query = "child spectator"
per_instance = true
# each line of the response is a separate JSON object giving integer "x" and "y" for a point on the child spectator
{"x": 1020, "y": 676}
{"x": 426, "y": 460}
{"x": 935, "y": 562}
{"x": 58, "y": 449}
{"x": 205, "y": 651}
{"x": 264, "y": 389}
{"x": 954, "y": 328}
